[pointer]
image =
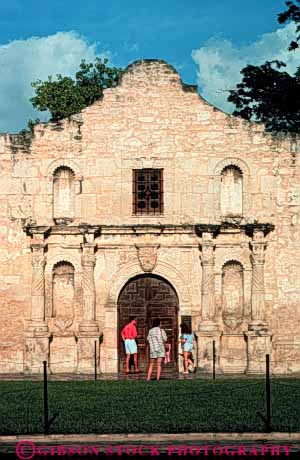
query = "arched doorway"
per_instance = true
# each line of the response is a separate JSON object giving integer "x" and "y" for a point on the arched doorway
{"x": 148, "y": 297}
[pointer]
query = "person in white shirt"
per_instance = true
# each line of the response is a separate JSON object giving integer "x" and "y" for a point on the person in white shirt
{"x": 157, "y": 339}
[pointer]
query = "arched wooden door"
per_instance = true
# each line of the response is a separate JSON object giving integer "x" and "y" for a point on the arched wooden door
{"x": 148, "y": 297}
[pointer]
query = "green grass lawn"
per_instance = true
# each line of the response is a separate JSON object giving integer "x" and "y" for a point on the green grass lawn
{"x": 174, "y": 406}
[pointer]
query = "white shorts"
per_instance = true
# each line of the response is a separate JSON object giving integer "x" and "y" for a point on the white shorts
{"x": 157, "y": 354}
{"x": 188, "y": 347}
{"x": 130, "y": 346}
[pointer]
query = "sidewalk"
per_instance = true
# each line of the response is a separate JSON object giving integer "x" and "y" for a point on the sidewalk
{"x": 161, "y": 441}
{"x": 142, "y": 376}
{"x": 157, "y": 437}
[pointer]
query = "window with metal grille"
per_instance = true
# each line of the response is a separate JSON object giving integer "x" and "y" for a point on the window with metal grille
{"x": 148, "y": 191}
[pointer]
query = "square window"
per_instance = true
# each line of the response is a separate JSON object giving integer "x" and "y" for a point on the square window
{"x": 147, "y": 191}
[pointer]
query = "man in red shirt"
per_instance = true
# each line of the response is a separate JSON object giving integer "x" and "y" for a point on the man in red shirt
{"x": 129, "y": 334}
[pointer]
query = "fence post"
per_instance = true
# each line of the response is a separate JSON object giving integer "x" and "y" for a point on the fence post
{"x": 196, "y": 361}
{"x": 46, "y": 409}
{"x": 95, "y": 360}
{"x": 268, "y": 394}
{"x": 214, "y": 360}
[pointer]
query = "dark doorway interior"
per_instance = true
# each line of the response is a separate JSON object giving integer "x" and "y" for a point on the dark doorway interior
{"x": 148, "y": 297}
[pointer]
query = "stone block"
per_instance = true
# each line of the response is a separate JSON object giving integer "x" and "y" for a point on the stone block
{"x": 63, "y": 354}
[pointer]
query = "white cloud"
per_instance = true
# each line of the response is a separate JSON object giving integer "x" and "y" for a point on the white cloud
{"x": 25, "y": 61}
{"x": 219, "y": 62}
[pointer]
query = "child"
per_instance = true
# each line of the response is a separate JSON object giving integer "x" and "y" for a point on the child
{"x": 187, "y": 344}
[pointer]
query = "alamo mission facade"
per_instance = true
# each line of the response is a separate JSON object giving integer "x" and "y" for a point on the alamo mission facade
{"x": 154, "y": 203}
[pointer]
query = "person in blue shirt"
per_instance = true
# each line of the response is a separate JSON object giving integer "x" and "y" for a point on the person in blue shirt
{"x": 187, "y": 339}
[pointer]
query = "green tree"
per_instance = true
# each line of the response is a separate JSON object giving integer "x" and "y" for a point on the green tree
{"x": 65, "y": 96}
{"x": 269, "y": 94}
{"x": 292, "y": 14}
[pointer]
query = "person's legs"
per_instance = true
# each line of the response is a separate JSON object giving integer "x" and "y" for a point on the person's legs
{"x": 127, "y": 362}
{"x": 131, "y": 349}
{"x": 136, "y": 369}
{"x": 186, "y": 361}
{"x": 150, "y": 370}
{"x": 159, "y": 360}
{"x": 190, "y": 360}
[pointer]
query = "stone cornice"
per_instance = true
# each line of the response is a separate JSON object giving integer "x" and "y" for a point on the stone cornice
{"x": 265, "y": 228}
{"x": 150, "y": 229}
{"x": 154, "y": 229}
{"x": 82, "y": 229}
{"x": 248, "y": 229}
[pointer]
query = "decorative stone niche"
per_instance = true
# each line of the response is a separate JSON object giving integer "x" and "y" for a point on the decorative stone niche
{"x": 63, "y": 292}
{"x": 231, "y": 192}
{"x": 63, "y": 195}
{"x": 233, "y": 357}
{"x": 232, "y": 295}
{"x": 63, "y": 352}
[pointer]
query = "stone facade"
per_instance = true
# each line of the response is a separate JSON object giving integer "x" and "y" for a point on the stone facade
{"x": 227, "y": 240}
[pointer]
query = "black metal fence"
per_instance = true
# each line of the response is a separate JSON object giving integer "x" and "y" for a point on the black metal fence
{"x": 49, "y": 406}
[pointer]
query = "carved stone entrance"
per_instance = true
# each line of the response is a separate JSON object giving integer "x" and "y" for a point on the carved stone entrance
{"x": 148, "y": 297}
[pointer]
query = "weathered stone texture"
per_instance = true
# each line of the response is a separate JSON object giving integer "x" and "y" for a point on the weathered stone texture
{"x": 231, "y": 199}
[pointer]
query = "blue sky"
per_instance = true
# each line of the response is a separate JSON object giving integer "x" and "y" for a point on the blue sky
{"x": 208, "y": 42}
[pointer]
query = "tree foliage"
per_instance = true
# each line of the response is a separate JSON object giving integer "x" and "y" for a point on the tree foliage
{"x": 65, "y": 96}
{"x": 267, "y": 92}
{"x": 292, "y": 14}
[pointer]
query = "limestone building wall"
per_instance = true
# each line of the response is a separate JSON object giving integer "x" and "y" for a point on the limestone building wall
{"x": 212, "y": 164}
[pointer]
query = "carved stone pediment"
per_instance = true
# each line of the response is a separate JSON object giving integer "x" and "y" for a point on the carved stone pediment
{"x": 147, "y": 255}
{"x": 62, "y": 324}
{"x": 231, "y": 322}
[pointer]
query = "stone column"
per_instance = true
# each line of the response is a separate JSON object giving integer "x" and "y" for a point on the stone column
{"x": 258, "y": 335}
{"x": 36, "y": 334}
{"x": 208, "y": 282}
{"x": 258, "y": 285}
{"x": 38, "y": 263}
{"x": 88, "y": 289}
{"x": 88, "y": 328}
{"x": 208, "y": 328}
